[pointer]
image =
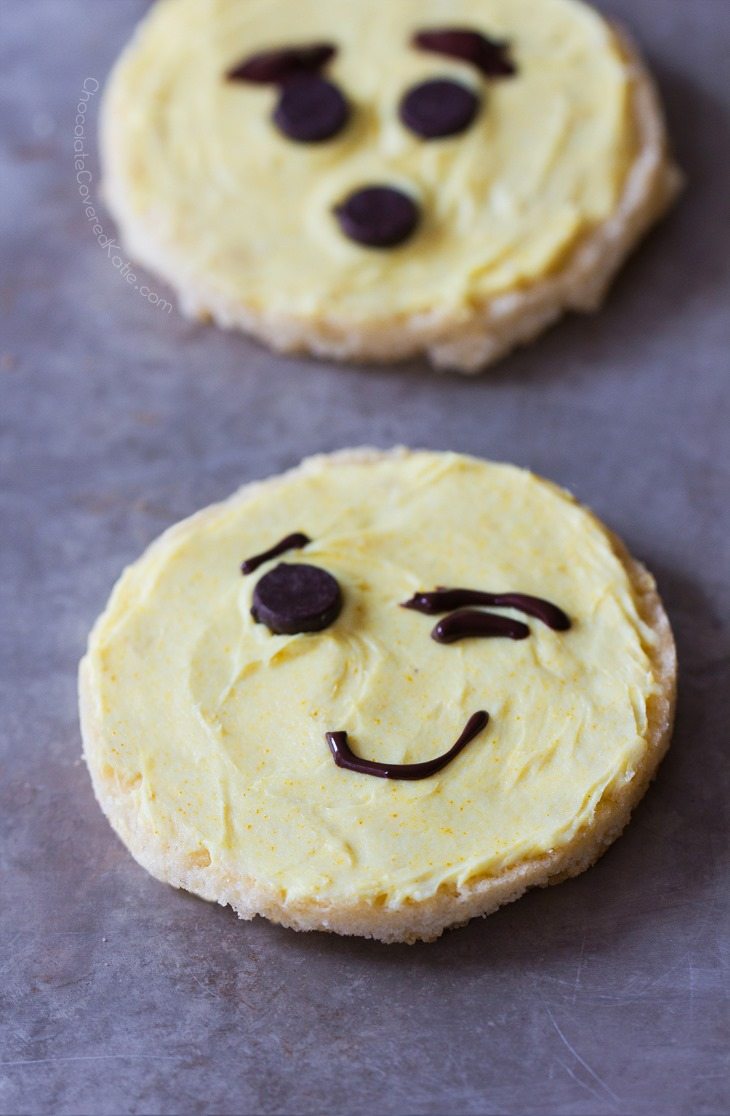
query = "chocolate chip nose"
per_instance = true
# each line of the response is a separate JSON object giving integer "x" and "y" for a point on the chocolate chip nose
{"x": 378, "y": 216}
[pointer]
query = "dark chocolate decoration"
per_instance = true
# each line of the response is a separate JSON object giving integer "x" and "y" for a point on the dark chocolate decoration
{"x": 378, "y": 216}
{"x": 444, "y": 600}
{"x": 294, "y": 541}
{"x": 468, "y": 624}
{"x": 272, "y": 67}
{"x": 311, "y": 109}
{"x": 438, "y": 108}
{"x": 490, "y": 56}
{"x": 296, "y": 598}
{"x": 345, "y": 757}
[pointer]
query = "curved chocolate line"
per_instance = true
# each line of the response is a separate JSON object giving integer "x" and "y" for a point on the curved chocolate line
{"x": 272, "y": 67}
{"x": 444, "y": 600}
{"x": 290, "y": 542}
{"x": 490, "y": 56}
{"x": 467, "y": 623}
{"x": 345, "y": 757}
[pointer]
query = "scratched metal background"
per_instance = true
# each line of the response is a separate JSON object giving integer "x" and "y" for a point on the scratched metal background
{"x": 119, "y": 995}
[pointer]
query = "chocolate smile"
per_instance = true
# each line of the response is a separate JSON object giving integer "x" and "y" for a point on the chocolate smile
{"x": 345, "y": 757}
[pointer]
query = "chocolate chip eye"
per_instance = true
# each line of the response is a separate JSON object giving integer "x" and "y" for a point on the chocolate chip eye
{"x": 295, "y": 598}
{"x": 311, "y": 109}
{"x": 438, "y": 108}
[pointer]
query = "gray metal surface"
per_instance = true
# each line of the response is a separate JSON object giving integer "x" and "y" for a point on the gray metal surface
{"x": 119, "y": 995}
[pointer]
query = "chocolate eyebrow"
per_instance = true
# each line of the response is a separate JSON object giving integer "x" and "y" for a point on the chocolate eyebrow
{"x": 345, "y": 757}
{"x": 294, "y": 541}
{"x": 490, "y": 56}
{"x": 272, "y": 67}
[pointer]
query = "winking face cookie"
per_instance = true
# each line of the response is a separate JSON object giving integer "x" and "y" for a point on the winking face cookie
{"x": 379, "y": 695}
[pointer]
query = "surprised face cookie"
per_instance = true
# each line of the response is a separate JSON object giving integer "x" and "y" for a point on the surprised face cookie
{"x": 378, "y": 695}
{"x": 368, "y": 180}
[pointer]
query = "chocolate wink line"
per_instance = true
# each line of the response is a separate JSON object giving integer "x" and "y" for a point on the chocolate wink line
{"x": 467, "y": 623}
{"x": 444, "y": 600}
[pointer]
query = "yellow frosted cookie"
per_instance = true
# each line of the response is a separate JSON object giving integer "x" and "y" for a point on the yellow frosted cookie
{"x": 379, "y": 694}
{"x": 379, "y": 178}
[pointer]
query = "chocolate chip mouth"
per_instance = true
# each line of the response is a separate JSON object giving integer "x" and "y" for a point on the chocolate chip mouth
{"x": 378, "y": 216}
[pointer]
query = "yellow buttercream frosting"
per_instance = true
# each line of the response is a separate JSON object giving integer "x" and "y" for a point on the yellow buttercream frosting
{"x": 250, "y": 213}
{"x": 217, "y": 728}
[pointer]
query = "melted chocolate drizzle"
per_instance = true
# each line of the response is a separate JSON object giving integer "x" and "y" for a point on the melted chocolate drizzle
{"x": 294, "y": 541}
{"x": 444, "y": 600}
{"x": 345, "y": 757}
{"x": 273, "y": 67}
{"x": 490, "y": 56}
{"x": 468, "y": 623}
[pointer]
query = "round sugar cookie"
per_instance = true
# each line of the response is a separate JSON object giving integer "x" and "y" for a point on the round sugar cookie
{"x": 379, "y": 694}
{"x": 379, "y": 178}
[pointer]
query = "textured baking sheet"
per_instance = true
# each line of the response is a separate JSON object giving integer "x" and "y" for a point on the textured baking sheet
{"x": 119, "y": 995}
